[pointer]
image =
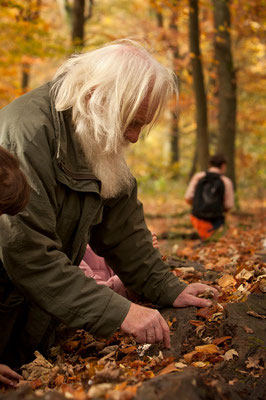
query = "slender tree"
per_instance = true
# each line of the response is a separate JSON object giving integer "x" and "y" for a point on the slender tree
{"x": 174, "y": 128}
{"x": 78, "y": 22}
{"x": 174, "y": 143}
{"x": 29, "y": 14}
{"x": 77, "y": 14}
{"x": 227, "y": 84}
{"x": 202, "y": 146}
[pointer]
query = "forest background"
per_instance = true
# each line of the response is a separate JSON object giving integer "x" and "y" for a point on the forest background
{"x": 216, "y": 48}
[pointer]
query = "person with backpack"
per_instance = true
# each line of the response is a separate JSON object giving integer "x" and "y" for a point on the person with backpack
{"x": 211, "y": 194}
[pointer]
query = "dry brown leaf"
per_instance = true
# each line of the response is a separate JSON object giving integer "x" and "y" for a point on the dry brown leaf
{"x": 200, "y": 330}
{"x": 108, "y": 350}
{"x": 109, "y": 374}
{"x": 223, "y": 261}
{"x": 262, "y": 285}
{"x": 71, "y": 345}
{"x": 167, "y": 370}
{"x": 245, "y": 274}
{"x": 99, "y": 391}
{"x": 188, "y": 357}
{"x": 210, "y": 266}
{"x": 247, "y": 329}
{"x": 220, "y": 340}
{"x": 207, "y": 294}
{"x": 107, "y": 357}
{"x": 207, "y": 349}
{"x": 205, "y": 312}
{"x": 122, "y": 394}
{"x": 207, "y": 340}
{"x": 59, "y": 380}
{"x": 128, "y": 350}
{"x": 200, "y": 364}
{"x": 196, "y": 322}
{"x": 233, "y": 381}
{"x": 256, "y": 315}
{"x": 36, "y": 383}
{"x": 226, "y": 280}
{"x": 229, "y": 355}
{"x": 170, "y": 323}
{"x": 253, "y": 363}
{"x": 39, "y": 368}
{"x": 180, "y": 365}
{"x": 187, "y": 251}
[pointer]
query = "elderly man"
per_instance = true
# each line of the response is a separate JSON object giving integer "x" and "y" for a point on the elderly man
{"x": 70, "y": 136}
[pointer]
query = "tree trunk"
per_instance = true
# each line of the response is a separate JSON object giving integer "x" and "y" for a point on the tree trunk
{"x": 78, "y": 22}
{"x": 174, "y": 130}
{"x": 29, "y": 14}
{"x": 199, "y": 88}
{"x": 25, "y": 77}
{"x": 227, "y": 85}
{"x": 174, "y": 143}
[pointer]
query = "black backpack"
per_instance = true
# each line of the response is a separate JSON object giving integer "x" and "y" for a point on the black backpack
{"x": 208, "y": 201}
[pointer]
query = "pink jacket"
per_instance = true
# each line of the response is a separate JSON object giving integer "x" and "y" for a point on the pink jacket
{"x": 95, "y": 267}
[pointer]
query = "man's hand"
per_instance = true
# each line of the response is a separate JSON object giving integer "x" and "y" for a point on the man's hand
{"x": 147, "y": 325}
{"x": 189, "y": 296}
{"x": 8, "y": 376}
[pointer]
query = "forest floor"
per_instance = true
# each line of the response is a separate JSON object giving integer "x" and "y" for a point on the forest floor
{"x": 216, "y": 353}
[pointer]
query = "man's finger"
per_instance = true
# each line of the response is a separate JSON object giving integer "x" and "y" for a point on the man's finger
{"x": 6, "y": 381}
{"x": 158, "y": 332}
{"x": 140, "y": 337}
{"x": 166, "y": 333}
{"x": 15, "y": 375}
{"x": 151, "y": 336}
{"x": 197, "y": 301}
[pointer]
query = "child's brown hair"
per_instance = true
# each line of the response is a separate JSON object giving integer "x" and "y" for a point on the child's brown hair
{"x": 14, "y": 188}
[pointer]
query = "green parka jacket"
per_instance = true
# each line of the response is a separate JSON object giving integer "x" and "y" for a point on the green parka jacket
{"x": 41, "y": 247}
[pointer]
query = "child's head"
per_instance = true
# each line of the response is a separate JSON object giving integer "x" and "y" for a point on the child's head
{"x": 218, "y": 161}
{"x": 14, "y": 188}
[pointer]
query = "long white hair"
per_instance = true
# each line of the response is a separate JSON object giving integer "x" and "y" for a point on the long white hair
{"x": 105, "y": 87}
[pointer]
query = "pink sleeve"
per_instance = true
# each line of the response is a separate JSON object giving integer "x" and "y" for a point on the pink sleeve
{"x": 89, "y": 272}
{"x": 229, "y": 193}
{"x": 113, "y": 283}
{"x": 192, "y": 185}
{"x": 95, "y": 267}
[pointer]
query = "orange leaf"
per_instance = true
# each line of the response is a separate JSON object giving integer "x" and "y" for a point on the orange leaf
{"x": 36, "y": 383}
{"x": 221, "y": 340}
{"x": 207, "y": 349}
{"x": 188, "y": 357}
{"x": 205, "y": 312}
{"x": 167, "y": 370}
{"x": 137, "y": 363}
{"x": 195, "y": 322}
{"x": 59, "y": 380}
{"x": 128, "y": 350}
{"x": 227, "y": 280}
{"x": 71, "y": 345}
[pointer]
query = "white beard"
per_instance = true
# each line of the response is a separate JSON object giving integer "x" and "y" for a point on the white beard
{"x": 109, "y": 167}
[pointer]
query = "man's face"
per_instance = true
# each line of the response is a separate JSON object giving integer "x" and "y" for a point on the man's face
{"x": 140, "y": 120}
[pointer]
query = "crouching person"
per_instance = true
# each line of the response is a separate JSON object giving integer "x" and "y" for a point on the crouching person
{"x": 70, "y": 136}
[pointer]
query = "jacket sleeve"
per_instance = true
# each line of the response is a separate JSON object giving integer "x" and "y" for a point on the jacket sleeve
{"x": 32, "y": 251}
{"x": 124, "y": 240}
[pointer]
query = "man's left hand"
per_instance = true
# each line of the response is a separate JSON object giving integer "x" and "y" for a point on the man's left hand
{"x": 188, "y": 297}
